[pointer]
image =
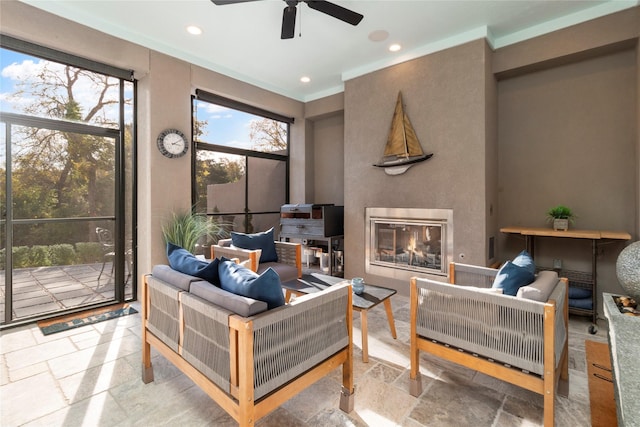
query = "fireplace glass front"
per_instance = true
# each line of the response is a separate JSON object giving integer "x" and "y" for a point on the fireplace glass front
{"x": 409, "y": 245}
{"x": 410, "y": 240}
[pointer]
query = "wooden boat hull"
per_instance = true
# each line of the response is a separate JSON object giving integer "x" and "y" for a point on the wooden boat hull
{"x": 401, "y": 165}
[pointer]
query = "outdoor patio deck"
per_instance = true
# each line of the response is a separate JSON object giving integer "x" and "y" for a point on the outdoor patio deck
{"x": 43, "y": 290}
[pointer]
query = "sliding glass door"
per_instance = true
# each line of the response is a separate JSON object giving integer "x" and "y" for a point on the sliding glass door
{"x": 67, "y": 188}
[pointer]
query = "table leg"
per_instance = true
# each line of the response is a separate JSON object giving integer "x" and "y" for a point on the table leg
{"x": 287, "y": 295}
{"x": 392, "y": 324}
{"x": 365, "y": 336}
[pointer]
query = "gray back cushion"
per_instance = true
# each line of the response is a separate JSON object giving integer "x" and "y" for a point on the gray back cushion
{"x": 167, "y": 274}
{"x": 285, "y": 271}
{"x": 541, "y": 288}
{"x": 243, "y": 306}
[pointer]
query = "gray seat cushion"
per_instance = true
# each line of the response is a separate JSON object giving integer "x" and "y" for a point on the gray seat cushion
{"x": 541, "y": 288}
{"x": 240, "y": 305}
{"x": 167, "y": 274}
{"x": 285, "y": 271}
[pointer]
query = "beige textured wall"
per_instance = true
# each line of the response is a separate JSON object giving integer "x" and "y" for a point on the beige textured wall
{"x": 569, "y": 133}
{"x": 329, "y": 160}
{"x": 444, "y": 96}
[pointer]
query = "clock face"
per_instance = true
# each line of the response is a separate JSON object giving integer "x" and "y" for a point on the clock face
{"x": 172, "y": 143}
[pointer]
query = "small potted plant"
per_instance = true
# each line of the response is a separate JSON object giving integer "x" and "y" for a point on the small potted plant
{"x": 560, "y": 216}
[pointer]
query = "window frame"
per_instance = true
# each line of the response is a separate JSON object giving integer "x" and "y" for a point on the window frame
{"x": 207, "y": 146}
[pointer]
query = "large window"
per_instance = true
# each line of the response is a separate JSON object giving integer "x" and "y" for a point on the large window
{"x": 67, "y": 185}
{"x": 241, "y": 163}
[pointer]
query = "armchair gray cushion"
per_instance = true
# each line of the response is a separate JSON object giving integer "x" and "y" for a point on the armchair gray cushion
{"x": 541, "y": 288}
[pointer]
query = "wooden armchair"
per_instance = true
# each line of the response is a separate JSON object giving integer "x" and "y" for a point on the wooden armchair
{"x": 518, "y": 340}
{"x": 288, "y": 267}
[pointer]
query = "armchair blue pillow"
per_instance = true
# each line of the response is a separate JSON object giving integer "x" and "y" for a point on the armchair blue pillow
{"x": 185, "y": 262}
{"x": 262, "y": 241}
{"x": 512, "y": 277}
{"x": 242, "y": 281}
{"x": 523, "y": 259}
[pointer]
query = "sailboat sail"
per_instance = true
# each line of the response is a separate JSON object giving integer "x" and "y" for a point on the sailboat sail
{"x": 403, "y": 148}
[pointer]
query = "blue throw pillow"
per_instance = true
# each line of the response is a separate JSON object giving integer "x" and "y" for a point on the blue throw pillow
{"x": 185, "y": 262}
{"x": 242, "y": 281}
{"x": 511, "y": 277}
{"x": 262, "y": 241}
{"x": 525, "y": 260}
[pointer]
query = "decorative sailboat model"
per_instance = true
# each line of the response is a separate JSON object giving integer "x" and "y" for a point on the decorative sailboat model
{"x": 403, "y": 149}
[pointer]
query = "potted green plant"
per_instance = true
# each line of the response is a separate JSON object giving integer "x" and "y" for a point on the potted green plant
{"x": 186, "y": 229}
{"x": 560, "y": 216}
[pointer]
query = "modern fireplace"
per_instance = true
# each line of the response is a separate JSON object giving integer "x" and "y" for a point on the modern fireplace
{"x": 404, "y": 242}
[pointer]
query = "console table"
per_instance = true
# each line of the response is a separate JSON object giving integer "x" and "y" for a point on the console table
{"x": 530, "y": 233}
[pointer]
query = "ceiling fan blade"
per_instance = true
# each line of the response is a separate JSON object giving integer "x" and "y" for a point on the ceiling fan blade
{"x": 223, "y": 2}
{"x": 336, "y": 11}
{"x": 288, "y": 22}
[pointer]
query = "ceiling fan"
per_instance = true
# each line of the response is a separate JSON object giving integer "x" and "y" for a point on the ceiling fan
{"x": 289, "y": 13}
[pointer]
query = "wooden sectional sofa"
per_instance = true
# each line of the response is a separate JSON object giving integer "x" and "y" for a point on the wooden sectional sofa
{"x": 248, "y": 359}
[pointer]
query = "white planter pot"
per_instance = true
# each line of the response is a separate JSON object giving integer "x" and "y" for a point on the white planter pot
{"x": 560, "y": 224}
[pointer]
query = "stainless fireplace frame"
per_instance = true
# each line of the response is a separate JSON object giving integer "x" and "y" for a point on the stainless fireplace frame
{"x": 410, "y": 216}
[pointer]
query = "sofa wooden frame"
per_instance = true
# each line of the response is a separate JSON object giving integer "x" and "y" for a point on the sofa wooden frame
{"x": 555, "y": 368}
{"x": 238, "y": 400}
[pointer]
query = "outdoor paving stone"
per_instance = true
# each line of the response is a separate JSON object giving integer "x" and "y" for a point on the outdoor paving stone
{"x": 26, "y": 286}
{"x": 27, "y": 302}
{"x": 33, "y": 294}
{"x": 95, "y": 380}
{"x": 16, "y": 339}
{"x": 99, "y": 410}
{"x": 384, "y": 405}
{"x": 309, "y": 401}
{"x": 445, "y": 404}
{"x": 39, "y": 353}
{"x": 36, "y": 310}
{"x": 80, "y": 360}
{"x": 65, "y": 287}
{"x": 28, "y": 371}
{"x": 524, "y": 409}
{"x": 39, "y": 393}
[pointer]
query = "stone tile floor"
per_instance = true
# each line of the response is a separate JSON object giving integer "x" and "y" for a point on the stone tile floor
{"x": 91, "y": 376}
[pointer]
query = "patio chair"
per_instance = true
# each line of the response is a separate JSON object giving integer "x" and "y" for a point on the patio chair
{"x": 106, "y": 240}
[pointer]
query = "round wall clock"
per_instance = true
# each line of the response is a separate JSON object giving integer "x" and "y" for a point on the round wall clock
{"x": 172, "y": 143}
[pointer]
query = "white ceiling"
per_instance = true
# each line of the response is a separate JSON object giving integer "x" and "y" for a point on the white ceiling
{"x": 243, "y": 40}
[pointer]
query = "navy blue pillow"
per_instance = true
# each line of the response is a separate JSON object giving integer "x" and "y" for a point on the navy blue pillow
{"x": 525, "y": 260}
{"x": 240, "y": 280}
{"x": 185, "y": 262}
{"x": 512, "y": 277}
{"x": 262, "y": 241}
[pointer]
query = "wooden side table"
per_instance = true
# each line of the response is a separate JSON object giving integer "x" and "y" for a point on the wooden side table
{"x": 371, "y": 297}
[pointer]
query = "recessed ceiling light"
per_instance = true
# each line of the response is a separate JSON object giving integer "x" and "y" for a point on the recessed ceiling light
{"x": 395, "y": 47}
{"x": 378, "y": 35}
{"x": 305, "y": 79}
{"x": 192, "y": 29}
